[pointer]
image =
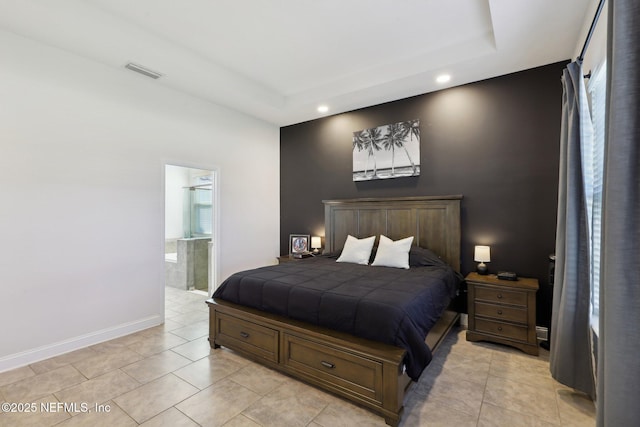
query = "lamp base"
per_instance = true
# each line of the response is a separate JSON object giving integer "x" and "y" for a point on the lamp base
{"x": 482, "y": 269}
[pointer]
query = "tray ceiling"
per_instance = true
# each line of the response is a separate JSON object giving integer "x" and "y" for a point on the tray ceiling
{"x": 279, "y": 60}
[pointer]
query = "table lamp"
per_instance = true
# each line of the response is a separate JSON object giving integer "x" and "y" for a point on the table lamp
{"x": 482, "y": 254}
{"x": 316, "y": 244}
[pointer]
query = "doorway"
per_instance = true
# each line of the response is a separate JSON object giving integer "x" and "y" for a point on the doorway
{"x": 190, "y": 228}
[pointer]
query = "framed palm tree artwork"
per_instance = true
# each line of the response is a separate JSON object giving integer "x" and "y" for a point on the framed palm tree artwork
{"x": 388, "y": 151}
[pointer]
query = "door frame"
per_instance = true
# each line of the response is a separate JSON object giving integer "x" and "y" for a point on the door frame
{"x": 214, "y": 258}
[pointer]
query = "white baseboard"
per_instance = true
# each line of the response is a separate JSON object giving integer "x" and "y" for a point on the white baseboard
{"x": 37, "y": 354}
{"x": 464, "y": 320}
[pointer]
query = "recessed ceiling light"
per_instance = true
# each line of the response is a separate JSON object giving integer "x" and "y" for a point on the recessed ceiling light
{"x": 323, "y": 109}
{"x": 443, "y": 78}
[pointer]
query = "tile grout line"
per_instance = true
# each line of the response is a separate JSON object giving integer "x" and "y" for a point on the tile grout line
{"x": 484, "y": 390}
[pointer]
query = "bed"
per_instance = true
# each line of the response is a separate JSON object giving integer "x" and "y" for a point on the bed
{"x": 318, "y": 320}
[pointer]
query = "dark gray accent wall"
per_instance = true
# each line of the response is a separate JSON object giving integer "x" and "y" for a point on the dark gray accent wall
{"x": 496, "y": 142}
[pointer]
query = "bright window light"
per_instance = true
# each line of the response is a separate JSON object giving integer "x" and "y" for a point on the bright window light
{"x": 443, "y": 78}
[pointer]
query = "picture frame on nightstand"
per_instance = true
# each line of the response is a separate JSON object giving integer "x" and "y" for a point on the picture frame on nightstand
{"x": 299, "y": 243}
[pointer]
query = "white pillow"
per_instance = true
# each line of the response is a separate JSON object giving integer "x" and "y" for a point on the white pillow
{"x": 357, "y": 251}
{"x": 393, "y": 254}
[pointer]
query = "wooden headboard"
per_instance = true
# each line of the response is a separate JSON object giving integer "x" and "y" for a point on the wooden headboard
{"x": 434, "y": 221}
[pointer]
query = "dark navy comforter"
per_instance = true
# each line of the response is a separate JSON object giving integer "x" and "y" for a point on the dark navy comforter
{"x": 391, "y": 305}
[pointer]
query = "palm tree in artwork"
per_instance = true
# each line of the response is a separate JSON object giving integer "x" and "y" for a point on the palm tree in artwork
{"x": 414, "y": 128}
{"x": 411, "y": 129}
{"x": 359, "y": 142}
{"x": 374, "y": 140}
{"x": 395, "y": 136}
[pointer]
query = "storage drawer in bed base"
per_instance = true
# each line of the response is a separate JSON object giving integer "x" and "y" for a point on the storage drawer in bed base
{"x": 366, "y": 372}
{"x": 250, "y": 337}
{"x": 327, "y": 364}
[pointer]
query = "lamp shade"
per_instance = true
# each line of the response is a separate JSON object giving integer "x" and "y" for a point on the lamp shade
{"x": 316, "y": 242}
{"x": 482, "y": 254}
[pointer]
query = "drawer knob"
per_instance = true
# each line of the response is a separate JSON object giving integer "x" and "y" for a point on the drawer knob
{"x": 500, "y": 328}
{"x": 244, "y": 335}
{"x": 499, "y": 311}
{"x": 328, "y": 365}
{"x": 500, "y": 296}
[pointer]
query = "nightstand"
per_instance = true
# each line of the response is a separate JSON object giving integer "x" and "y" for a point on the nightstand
{"x": 285, "y": 258}
{"x": 297, "y": 257}
{"x": 503, "y": 311}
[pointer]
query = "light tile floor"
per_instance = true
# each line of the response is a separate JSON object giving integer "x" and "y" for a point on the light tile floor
{"x": 169, "y": 376}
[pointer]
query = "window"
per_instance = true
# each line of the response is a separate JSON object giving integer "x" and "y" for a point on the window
{"x": 594, "y": 173}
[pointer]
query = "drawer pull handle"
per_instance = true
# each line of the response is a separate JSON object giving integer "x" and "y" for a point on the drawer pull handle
{"x": 244, "y": 335}
{"x": 500, "y": 328}
{"x": 328, "y": 365}
{"x": 499, "y": 311}
{"x": 499, "y": 296}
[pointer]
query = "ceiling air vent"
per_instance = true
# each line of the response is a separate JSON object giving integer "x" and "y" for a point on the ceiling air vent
{"x": 142, "y": 70}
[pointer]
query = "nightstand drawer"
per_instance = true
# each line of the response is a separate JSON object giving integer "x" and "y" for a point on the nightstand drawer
{"x": 502, "y": 329}
{"x": 501, "y": 296}
{"x": 501, "y": 312}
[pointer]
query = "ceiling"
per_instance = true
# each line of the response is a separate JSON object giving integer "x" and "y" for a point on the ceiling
{"x": 278, "y": 60}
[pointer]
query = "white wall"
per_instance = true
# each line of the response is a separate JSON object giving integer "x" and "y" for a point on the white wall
{"x": 82, "y": 154}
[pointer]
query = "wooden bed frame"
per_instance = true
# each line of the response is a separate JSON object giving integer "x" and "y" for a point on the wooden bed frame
{"x": 366, "y": 372}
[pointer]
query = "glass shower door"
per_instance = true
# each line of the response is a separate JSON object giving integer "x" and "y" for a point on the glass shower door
{"x": 197, "y": 213}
